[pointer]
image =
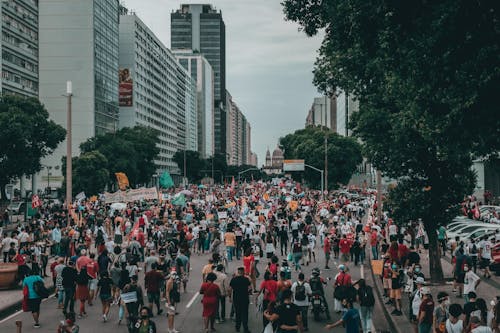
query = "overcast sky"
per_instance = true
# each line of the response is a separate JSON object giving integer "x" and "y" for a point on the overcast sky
{"x": 268, "y": 62}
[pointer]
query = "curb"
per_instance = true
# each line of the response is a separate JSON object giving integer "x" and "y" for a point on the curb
{"x": 17, "y": 306}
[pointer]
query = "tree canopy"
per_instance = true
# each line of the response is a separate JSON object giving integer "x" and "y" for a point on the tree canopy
{"x": 90, "y": 173}
{"x": 344, "y": 154}
{"x": 194, "y": 164}
{"x": 27, "y": 136}
{"x": 426, "y": 75}
{"x": 131, "y": 150}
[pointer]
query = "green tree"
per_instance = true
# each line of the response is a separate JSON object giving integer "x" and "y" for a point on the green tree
{"x": 27, "y": 135}
{"x": 344, "y": 154}
{"x": 194, "y": 164}
{"x": 426, "y": 75}
{"x": 129, "y": 150}
{"x": 90, "y": 173}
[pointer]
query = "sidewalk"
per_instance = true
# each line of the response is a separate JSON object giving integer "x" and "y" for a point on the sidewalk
{"x": 488, "y": 289}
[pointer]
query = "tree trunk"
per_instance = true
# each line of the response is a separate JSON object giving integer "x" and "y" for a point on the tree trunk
{"x": 436, "y": 271}
{"x": 3, "y": 194}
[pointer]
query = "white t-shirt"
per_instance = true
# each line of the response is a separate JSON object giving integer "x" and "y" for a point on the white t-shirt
{"x": 485, "y": 246}
{"x": 458, "y": 327}
{"x": 470, "y": 280}
{"x": 6, "y": 244}
{"x": 393, "y": 229}
{"x": 482, "y": 329}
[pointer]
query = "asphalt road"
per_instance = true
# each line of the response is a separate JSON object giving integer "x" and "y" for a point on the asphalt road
{"x": 189, "y": 319}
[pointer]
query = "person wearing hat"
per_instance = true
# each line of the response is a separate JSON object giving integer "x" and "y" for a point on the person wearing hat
{"x": 441, "y": 312}
{"x": 342, "y": 284}
{"x": 416, "y": 300}
{"x": 425, "y": 311}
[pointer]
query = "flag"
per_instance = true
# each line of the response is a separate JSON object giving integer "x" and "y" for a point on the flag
{"x": 165, "y": 180}
{"x": 80, "y": 196}
{"x": 35, "y": 201}
{"x": 179, "y": 200}
{"x": 122, "y": 180}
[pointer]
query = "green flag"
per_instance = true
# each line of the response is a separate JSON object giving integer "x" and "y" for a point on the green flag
{"x": 179, "y": 200}
{"x": 166, "y": 181}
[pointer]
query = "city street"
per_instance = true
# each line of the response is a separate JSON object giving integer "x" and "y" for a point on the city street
{"x": 189, "y": 319}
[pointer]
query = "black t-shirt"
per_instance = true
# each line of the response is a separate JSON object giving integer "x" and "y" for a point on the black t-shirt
{"x": 413, "y": 258}
{"x": 469, "y": 308}
{"x": 105, "y": 284}
{"x": 69, "y": 275}
{"x": 240, "y": 285}
{"x": 287, "y": 313}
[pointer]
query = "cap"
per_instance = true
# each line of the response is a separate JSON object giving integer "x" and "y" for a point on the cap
{"x": 420, "y": 280}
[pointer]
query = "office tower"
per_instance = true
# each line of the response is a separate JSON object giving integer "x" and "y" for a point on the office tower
{"x": 201, "y": 29}
{"x": 19, "y": 43}
{"x": 238, "y": 134}
{"x": 346, "y": 106}
{"x": 155, "y": 91}
{"x": 202, "y": 73}
{"x": 323, "y": 112}
{"x": 79, "y": 43}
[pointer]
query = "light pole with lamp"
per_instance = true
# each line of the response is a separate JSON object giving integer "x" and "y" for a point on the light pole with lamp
{"x": 69, "y": 166}
{"x": 322, "y": 178}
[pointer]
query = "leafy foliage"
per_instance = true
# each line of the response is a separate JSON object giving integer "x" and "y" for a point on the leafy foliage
{"x": 344, "y": 154}
{"x": 426, "y": 75}
{"x": 194, "y": 164}
{"x": 90, "y": 173}
{"x": 129, "y": 150}
{"x": 26, "y": 137}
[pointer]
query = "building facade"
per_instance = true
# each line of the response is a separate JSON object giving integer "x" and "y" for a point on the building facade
{"x": 19, "y": 44}
{"x": 79, "y": 43}
{"x": 202, "y": 29}
{"x": 155, "y": 91}
{"x": 323, "y": 112}
{"x": 202, "y": 74}
{"x": 238, "y": 134}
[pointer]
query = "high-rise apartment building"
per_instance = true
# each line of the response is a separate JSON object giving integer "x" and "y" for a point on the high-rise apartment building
{"x": 323, "y": 112}
{"x": 346, "y": 106}
{"x": 238, "y": 135}
{"x": 201, "y": 28}
{"x": 79, "y": 43}
{"x": 19, "y": 44}
{"x": 155, "y": 91}
{"x": 202, "y": 74}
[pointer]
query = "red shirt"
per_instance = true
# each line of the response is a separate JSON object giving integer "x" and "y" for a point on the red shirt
{"x": 53, "y": 268}
{"x": 344, "y": 245}
{"x": 343, "y": 279}
{"x": 248, "y": 264}
{"x": 92, "y": 269}
{"x": 326, "y": 245}
{"x": 82, "y": 262}
{"x": 270, "y": 288}
{"x": 141, "y": 239}
{"x": 374, "y": 238}
{"x": 403, "y": 250}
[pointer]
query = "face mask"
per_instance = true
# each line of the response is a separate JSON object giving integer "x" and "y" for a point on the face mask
{"x": 466, "y": 269}
{"x": 394, "y": 266}
{"x": 144, "y": 316}
{"x": 447, "y": 302}
{"x": 417, "y": 270}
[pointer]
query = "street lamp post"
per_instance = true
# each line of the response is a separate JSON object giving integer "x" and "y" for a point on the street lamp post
{"x": 322, "y": 178}
{"x": 69, "y": 166}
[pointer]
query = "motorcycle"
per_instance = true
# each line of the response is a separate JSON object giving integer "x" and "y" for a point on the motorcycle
{"x": 318, "y": 307}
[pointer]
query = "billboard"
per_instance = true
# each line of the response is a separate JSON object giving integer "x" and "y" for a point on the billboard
{"x": 125, "y": 87}
{"x": 293, "y": 165}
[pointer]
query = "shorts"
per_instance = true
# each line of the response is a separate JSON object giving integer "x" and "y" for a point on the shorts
{"x": 459, "y": 278}
{"x": 387, "y": 283}
{"x": 34, "y": 304}
{"x": 484, "y": 263}
{"x": 327, "y": 255}
{"x": 105, "y": 297}
{"x": 93, "y": 284}
{"x": 153, "y": 298}
{"x": 171, "y": 309}
{"x": 395, "y": 293}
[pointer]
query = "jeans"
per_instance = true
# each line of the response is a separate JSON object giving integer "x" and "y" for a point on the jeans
{"x": 284, "y": 246}
{"x": 221, "y": 309}
{"x": 241, "y": 311}
{"x": 230, "y": 251}
{"x": 69, "y": 298}
{"x": 296, "y": 259}
{"x": 60, "y": 296}
{"x": 374, "y": 252}
{"x": 303, "y": 311}
{"x": 424, "y": 328}
{"x": 366, "y": 318}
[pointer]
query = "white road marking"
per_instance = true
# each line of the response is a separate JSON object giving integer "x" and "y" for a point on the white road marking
{"x": 192, "y": 299}
{"x": 362, "y": 271}
{"x": 11, "y": 316}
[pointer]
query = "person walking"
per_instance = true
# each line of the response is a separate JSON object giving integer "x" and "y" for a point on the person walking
{"x": 173, "y": 297}
{"x": 366, "y": 300}
{"x": 240, "y": 287}
{"x": 350, "y": 319}
{"x": 34, "y": 299}
{"x": 69, "y": 275}
{"x": 152, "y": 283}
{"x": 222, "y": 282}
{"x": 287, "y": 315}
{"x": 144, "y": 322}
{"x": 82, "y": 290}
{"x": 269, "y": 288}
{"x": 211, "y": 293}
{"x": 426, "y": 311}
{"x": 104, "y": 287}
{"x": 301, "y": 292}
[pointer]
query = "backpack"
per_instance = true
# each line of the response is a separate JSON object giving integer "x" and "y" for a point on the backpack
{"x": 40, "y": 290}
{"x": 367, "y": 298}
{"x": 316, "y": 284}
{"x": 300, "y": 292}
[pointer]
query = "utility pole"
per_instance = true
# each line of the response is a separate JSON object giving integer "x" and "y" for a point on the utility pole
{"x": 69, "y": 166}
{"x": 379, "y": 196}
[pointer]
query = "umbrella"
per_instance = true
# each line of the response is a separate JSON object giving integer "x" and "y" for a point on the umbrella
{"x": 187, "y": 192}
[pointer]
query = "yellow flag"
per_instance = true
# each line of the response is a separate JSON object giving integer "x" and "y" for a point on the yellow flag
{"x": 122, "y": 180}
{"x": 293, "y": 205}
{"x": 266, "y": 196}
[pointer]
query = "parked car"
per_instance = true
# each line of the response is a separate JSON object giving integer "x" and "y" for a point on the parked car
{"x": 495, "y": 256}
{"x": 16, "y": 207}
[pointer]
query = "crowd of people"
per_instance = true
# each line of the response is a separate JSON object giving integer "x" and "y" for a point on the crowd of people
{"x": 138, "y": 259}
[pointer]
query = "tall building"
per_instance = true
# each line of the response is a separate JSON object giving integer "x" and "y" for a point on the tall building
{"x": 202, "y": 73}
{"x": 238, "y": 134}
{"x": 201, "y": 29}
{"x": 155, "y": 91}
{"x": 79, "y": 43}
{"x": 346, "y": 106}
{"x": 19, "y": 64}
{"x": 323, "y": 112}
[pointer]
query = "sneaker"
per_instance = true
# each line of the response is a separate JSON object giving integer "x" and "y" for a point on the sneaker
{"x": 104, "y": 318}
{"x": 36, "y": 325}
{"x": 217, "y": 321}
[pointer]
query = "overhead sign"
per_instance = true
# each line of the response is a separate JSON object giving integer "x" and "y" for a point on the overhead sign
{"x": 293, "y": 165}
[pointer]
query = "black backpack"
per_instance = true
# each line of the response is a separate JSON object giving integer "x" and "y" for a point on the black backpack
{"x": 300, "y": 292}
{"x": 40, "y": 290}
{"x": 366, "y": 297}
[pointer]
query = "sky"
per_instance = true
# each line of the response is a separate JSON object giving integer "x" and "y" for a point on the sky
{"x": 269, "y": 63}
